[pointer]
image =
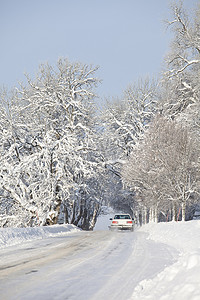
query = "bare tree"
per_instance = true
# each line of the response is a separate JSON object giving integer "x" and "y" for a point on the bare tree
{"x": 164, "y": 167}
{"x": 180, "y": 80}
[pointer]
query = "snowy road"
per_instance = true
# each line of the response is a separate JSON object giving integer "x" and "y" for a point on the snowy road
{"x": 85, "y": 265}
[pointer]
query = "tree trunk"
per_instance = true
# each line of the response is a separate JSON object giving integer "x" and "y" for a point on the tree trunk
{"x": 73, "y": 217}
{"x": 86, "y": 222}
{"x": 78, "y": 217}
{"x": 66, "y": 215}
{"x": 140, "y": 218}
{"x": 144, "y": 215}
{"x": 94, "y": 217}
{"x": 183, "y": 210}
{"x": 156, "y": 214}
{"x": 151, "y": 215}
{"x": 137, "y": 216}
{"x": 174, "y": 211}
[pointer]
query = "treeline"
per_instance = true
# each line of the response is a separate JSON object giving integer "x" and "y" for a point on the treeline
{"x": 49, "y": 149}
{"x": 60, "y": 161}
{"x": 159, "y": 129}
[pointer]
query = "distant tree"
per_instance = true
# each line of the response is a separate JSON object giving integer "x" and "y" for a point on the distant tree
{"x": 123, "y": 121}
{"x": 125, "y": 118}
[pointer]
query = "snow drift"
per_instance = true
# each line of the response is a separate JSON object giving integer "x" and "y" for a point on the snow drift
{"x": 15, "y": 236}
{"x": 182, "y": 279}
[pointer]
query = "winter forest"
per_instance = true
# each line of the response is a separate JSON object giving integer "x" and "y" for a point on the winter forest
{"x": 61, "y": 159}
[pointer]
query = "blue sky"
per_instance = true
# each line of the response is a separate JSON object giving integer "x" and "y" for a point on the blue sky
{"x": 126, "y": 38}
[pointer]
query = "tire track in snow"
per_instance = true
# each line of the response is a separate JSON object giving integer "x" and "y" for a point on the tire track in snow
{"x": 96, "y": 265}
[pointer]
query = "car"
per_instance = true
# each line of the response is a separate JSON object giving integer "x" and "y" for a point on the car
{"x": 122, "y": 221}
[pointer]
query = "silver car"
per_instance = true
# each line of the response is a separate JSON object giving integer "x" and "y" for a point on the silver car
{"x": 122, "y": 221}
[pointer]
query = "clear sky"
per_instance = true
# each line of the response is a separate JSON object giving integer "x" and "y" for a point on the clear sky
{"x": 126, "y": 38}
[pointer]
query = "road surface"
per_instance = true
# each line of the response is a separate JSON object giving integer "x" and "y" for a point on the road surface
{"x": 86, "y": 265}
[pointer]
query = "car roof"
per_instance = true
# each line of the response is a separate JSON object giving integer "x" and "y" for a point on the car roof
{"x": 122, "y": 214}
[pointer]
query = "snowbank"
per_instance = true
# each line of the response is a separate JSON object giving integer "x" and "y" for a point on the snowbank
{"x": 14, "y": 236}
{"x": 182, "y": 279}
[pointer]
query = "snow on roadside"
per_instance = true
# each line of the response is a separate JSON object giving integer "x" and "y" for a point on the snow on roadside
{"x": 14, "y": 236}
{"x": 182, "y": 279}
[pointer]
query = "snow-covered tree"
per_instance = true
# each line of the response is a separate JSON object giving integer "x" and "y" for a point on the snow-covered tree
{"x": 123, "y": 121}
{"x": 52, "y": 156}
{"x": 163, "y": 168}
{"x": 180, "y": 80}
{"x": 125, "y": 118}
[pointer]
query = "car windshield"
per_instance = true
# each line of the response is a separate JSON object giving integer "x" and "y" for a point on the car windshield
{"x": 121, "y": 217}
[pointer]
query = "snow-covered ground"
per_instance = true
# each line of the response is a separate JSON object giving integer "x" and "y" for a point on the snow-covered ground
{"x": 156, "y": 261}
{"x": 181, "y": 280}
{"x": 15, "y": 236}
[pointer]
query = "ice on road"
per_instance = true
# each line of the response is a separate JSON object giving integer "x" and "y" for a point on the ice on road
{"x": 84, "y": 265}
